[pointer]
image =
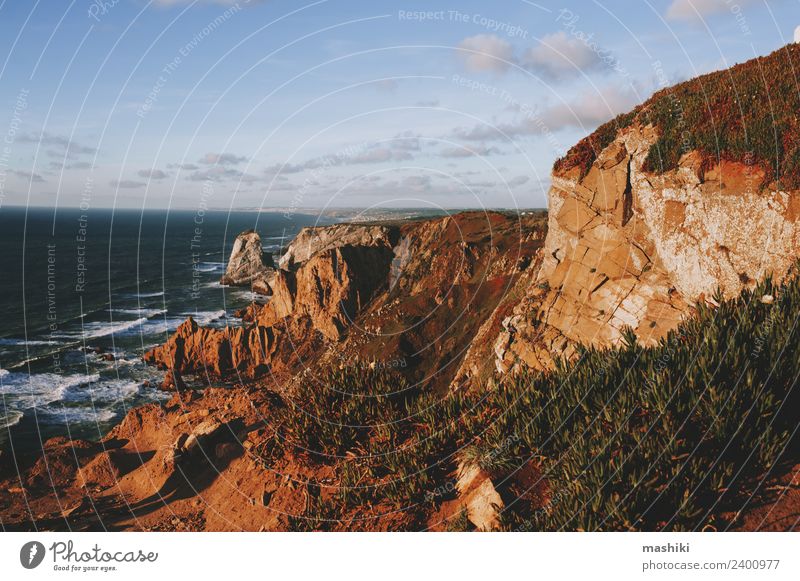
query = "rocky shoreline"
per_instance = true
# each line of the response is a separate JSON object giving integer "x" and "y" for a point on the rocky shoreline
{"x": 376, "y": 324}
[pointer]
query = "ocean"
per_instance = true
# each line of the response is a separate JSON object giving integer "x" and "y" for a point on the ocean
{"x": 85, "y": 293}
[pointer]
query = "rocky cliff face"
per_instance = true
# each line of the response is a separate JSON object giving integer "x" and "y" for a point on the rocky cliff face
{"x": 248, "y": 265}
{"x": 329, "y": 275}
{"x": 412, "y": 296}
{"x": 312, "y": 241}
{"x": 627, "y": 248}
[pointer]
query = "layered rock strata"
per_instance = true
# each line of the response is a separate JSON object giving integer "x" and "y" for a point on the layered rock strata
{"x": 630, "y": 249}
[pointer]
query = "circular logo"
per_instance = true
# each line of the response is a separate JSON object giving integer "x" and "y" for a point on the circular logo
{"x": 31, "y": 554}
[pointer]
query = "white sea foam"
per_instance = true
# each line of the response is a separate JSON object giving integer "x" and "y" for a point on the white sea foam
{"x": 207, "y": 317}
{"x": 105, "y": 328}
{"x": 106, "y": 391}
{"x": 79, "y": 415}
{"x": 9, "y": 418}
{"x": 26, "y": 391}
{"x": 162, "y": 325}
{"x": 210, "y": 267}
{"x": 12, "y": 342}
{"x": 140, "y": 312}
{"x": 149, "y": 295}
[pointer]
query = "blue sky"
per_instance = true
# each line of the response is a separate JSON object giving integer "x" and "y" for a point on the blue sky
{"x": 181, "y": 104}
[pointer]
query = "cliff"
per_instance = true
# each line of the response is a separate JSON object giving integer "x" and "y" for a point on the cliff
{"x": 638, "y": 234}
{"x": 410, "y": 295}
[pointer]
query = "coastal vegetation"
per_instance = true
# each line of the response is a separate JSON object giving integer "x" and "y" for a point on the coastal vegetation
{"x": 670, "y": 437}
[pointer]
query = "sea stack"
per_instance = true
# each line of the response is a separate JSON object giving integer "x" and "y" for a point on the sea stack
{"x": 248, "y": 264}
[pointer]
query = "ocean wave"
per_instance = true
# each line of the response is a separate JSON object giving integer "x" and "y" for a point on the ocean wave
{"x": 141, "y": 312}
{"x": 9, "y": 418}
{"x": 25, "y": 391}
{"x": 210, "y": 267}
{"x": 250, "y": 296}
{"x": 148, "y": 295}
{"x": 79, "y": 415}
{"x": 161, "y": 326}
{"x": 12, "y": 342}
{"x": 103, "y": 329}
{"x": 207, "y": 317}
{"x": 108, "y": 391}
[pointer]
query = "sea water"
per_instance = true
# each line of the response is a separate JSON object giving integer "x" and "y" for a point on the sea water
{"x": 83, "y": 294}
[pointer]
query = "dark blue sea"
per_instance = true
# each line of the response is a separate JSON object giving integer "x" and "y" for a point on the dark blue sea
{"x": 84, "y": 293}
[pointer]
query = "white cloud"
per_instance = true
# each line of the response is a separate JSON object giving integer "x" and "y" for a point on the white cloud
{"x": 127, "y": 184}
{"x": 590, "y": 109}
{"x": 694, "y": 10}
{"x": 152, "y": 174}
{"x": 797, "y": 34}
{"x": 28, "y": 176}
{"x": 222, "y": 159}
{"x": 219, "y": 173}
{"x": 585, "y": 112}
{"x": 559, "y": 55}
{"x": 486, "y": 53}
{"x": 481, "y": 150}
{"x": 380, "y": 155}
{"x": 386, "y": 85}
{"x": 184, "y": 166}
{"x": 59, "y": 145}
{"x": 518, "y": 181}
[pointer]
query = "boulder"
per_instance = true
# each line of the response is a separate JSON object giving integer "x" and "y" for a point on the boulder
{"x": 248, "y": 264}
{"x": 479, "y": 496}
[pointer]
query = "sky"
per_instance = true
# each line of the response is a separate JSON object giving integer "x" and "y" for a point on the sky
{"x": 336, "y": 103}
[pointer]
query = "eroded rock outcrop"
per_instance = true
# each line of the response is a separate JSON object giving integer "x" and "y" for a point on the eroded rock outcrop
{"x": 631, "y": 249}
{"x": 330, "y": 276}
{"x": 248, "y": 264}
{"x": 313, "y": 241}
{"x": 330, "y": 288}
{"x": 194, "y": 349}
